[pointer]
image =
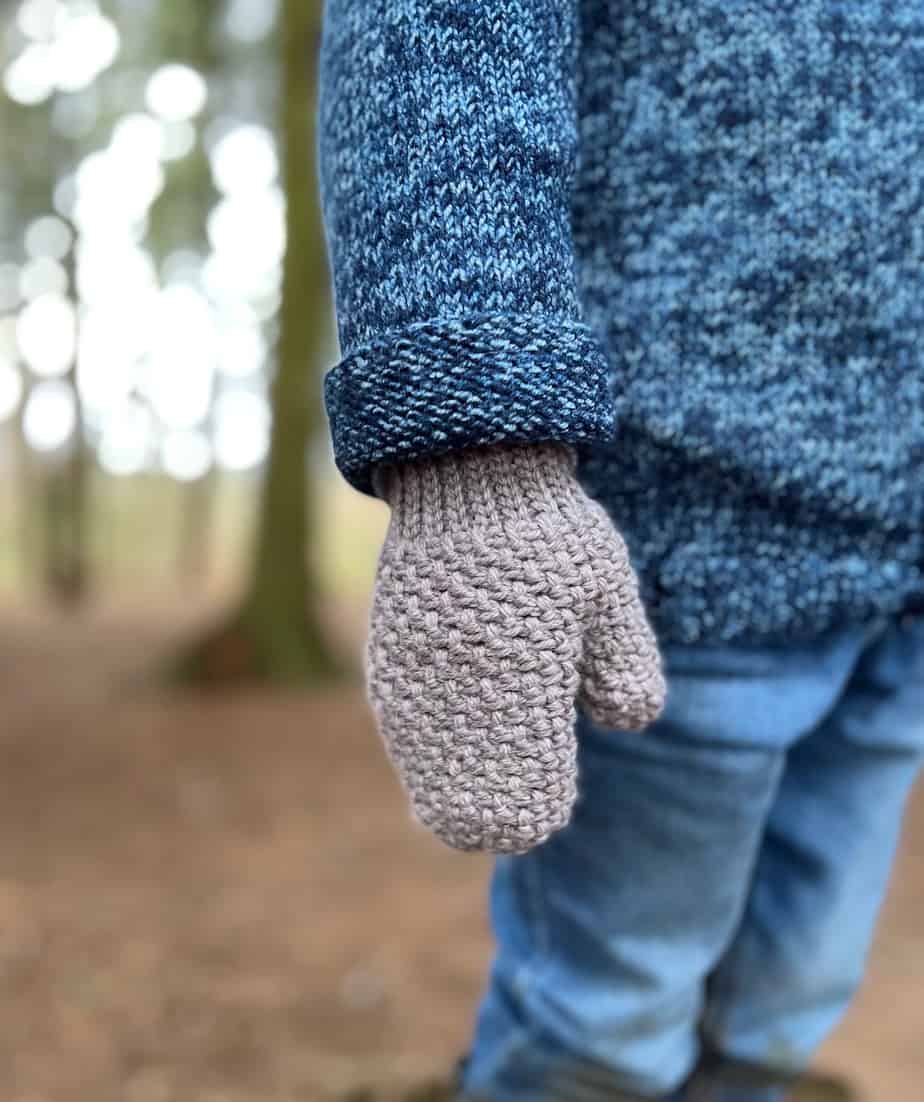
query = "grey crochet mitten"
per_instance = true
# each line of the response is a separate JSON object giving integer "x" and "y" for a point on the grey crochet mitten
{"x": 504, "y": 595}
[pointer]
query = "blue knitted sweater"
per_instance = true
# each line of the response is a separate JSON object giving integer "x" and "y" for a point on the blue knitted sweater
{"x": 686, "y": 236}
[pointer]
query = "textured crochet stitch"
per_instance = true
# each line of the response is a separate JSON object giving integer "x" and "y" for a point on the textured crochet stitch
{"x": 504, "y": 595}
{"x": 685, "y": 236}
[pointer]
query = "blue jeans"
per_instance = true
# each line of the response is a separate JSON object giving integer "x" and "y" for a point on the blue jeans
{"x": 721, "y": 877}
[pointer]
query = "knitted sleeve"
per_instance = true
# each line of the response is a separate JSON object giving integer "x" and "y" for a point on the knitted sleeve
{"x": 448, "y": 147}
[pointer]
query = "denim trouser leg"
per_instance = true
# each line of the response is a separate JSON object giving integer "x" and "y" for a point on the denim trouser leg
{"x": 823, "y": 870}
{"x": 609, "y": 933}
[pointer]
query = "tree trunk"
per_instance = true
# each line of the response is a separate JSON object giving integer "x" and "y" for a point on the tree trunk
{"x": 277, "y": 633}
{"x": 66, "y": 493}
{"x": 187, "y": 32}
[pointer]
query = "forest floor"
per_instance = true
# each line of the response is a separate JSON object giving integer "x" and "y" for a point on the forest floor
{"x": 220, "y": 898}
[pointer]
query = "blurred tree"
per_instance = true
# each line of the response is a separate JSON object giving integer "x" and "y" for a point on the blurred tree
{"x": 276, "y": 633}
{"x": 17, "y": 193}
{"x": 54, "y": 483}
{"x": 188, "y": 33}
{"x": 66, "y": 497}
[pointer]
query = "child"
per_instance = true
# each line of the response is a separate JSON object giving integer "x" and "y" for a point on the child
{"x": 647, "y": 271}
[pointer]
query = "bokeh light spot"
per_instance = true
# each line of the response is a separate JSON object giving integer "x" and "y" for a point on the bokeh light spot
{"x": 50, "y": 416}
{"x": 244, "y": 160}
{"x": 42, "y": 276}
{"x": 48, "y": 236}
{"x": 37, "y": 18}
{"x": 176, "y": 92}
{"x": 242, "y": 426}
{"x": 29, "y": 78}
{"x": 46, "y": 332}
{"x": 250, "y": 22}
{"x": 125, "y": 442}
{"x": 87, "y": 44}
{"x": 186, "y": 455}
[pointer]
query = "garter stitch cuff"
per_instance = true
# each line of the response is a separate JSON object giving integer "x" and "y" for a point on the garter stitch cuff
{"x": 461, "y": 383}
{"x": 504, "y": 596}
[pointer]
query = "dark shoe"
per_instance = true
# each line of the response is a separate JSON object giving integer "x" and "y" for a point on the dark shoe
{"x": 577, "y": 1084}
{"x": 720, "y": 1080}
{"x": 426, "y": 1092}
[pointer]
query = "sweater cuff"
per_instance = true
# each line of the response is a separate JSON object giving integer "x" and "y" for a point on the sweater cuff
{"x": 447, "y": 385}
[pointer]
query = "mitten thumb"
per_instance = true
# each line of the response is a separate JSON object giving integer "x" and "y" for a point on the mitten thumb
{"x": 622, "y": 684}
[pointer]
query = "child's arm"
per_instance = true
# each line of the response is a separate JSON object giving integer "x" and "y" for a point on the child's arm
{"x": 448, "y": 152}
{"x": 448, "y": 155}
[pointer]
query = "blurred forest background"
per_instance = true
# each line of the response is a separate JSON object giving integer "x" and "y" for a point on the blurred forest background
{"x": 210, "y": 889}
{"x": 152, "y": 320}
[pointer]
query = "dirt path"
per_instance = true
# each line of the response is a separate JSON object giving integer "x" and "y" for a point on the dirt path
{"x": 221, "y": 899}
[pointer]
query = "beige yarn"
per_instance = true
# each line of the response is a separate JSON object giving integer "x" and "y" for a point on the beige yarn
{"x": 504, "y": 595}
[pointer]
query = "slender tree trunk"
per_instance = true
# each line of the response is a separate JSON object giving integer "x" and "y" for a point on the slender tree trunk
{"x": 277, "y": 633}
{"x": 282, "y": 582}
{"x": 66, "y": 495}
{"x": 188, "y": 33}
{"x": 29, "y": 495}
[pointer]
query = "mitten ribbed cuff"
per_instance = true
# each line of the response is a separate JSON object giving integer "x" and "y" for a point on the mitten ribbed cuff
{"x": 490, "y": 486}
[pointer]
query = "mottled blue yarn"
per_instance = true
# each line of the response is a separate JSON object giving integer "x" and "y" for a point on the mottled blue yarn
{"x": 448, "y": 151}
{"x": 488, "y": 377}
{"x": 685, "y": 235}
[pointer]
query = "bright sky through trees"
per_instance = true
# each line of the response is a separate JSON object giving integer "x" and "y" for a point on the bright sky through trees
{"x": 170, "y": 353}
